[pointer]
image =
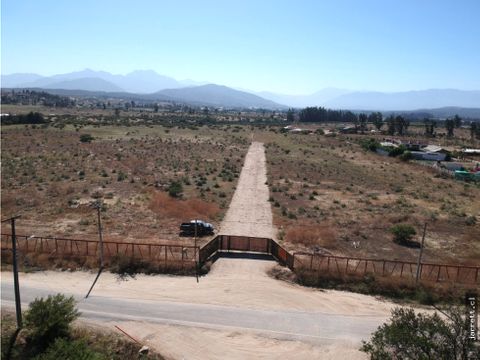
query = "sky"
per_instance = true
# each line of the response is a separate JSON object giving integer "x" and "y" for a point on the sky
{"x": 291, "y": 47}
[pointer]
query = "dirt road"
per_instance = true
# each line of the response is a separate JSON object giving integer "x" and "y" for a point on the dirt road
{"x": 250, "y": 213}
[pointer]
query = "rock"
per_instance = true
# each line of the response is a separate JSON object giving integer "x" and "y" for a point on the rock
{"x": 144, "y": 350}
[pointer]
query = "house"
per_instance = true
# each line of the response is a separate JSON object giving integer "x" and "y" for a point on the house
{"x": 348, "y": 130}
{"x": 452, "y": 166}
{"x": 388, "y": 144}
{"x": 471, "y": 152}
{"x": 428, "y": 156}
{"x": 432, "y": 148}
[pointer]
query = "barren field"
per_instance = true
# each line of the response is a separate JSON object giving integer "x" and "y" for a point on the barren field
{"x": 50, "y": 178}
{"x": 325, "y": 192}
{"x": 328, "y": 192}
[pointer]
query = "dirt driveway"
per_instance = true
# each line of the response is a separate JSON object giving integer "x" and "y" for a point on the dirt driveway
{"x": 250, "y": 213}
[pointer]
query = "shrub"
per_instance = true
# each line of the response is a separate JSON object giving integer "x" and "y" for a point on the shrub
{"x": 471, "y": 220}
{"x": 409, "y": 335}
{"x": 71, "y": 350}
{"x": 403, "y": 233}
{"x": 407, "y": 155}
{"x": 369, "y": 144}
{"x": 48, "y": 319}
{"x": 175, "y": 189}
{"x": 121, "y": 176}
{"x": 396, "y": 151}
{"x": 86, "y": 138}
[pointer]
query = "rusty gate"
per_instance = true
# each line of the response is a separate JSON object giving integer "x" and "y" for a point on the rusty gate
{"x": 246, "y": 244}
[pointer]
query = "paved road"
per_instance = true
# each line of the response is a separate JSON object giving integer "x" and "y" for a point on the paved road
{"x": 315, "y": 327}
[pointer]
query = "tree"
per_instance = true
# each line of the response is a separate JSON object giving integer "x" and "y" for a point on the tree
{"x": 413, "y": 336}
{"x": 362, "y": 119}
{"x": 429, "y": 126}
{"x": 155, "y": 108}
{"x": 391, "y": 125}
{"x": 376, "y": 118}
{"x": 403, "y": 233}
{"x": 450, "y": 126}
{"x": 401, "y": 125}
{"x": 290, "y": 115}
{"x": 457, "y": 121}
{"x": 474, "y": 130}
{"x": 50, "y": 318}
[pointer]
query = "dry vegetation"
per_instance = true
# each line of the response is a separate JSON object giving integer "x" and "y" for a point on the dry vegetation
{"x": 50, "y": 177}
{"x": 329, "y": 192}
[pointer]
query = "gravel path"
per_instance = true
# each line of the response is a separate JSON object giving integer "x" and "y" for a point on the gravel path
{"x": 250, "y": 213}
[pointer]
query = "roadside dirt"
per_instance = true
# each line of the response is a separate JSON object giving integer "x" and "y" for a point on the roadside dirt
{"x": 200, "y": 344}
{"x": 231, "y": 282}
{"x": 250, "y": 213}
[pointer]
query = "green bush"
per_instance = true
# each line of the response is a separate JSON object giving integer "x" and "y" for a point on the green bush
{"x": 407, "y": 155}
{"x": 369, "y": 144}
{"x": 50, "y": 318}
{"x": 420, "y": 336}
{"x": 403, "y": 233}
{"x": 69, "y": 350}
{"x": 175, "y": 189}
{"x": 396, "y": 151}
{"x": 86, "y": 138}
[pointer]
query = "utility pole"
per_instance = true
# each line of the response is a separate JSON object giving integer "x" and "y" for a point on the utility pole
{"x": 98, "y": 205}
{"x": 420, "y": 255}
{"x": 16, "y": 286}
{"x": 196, "y": 262}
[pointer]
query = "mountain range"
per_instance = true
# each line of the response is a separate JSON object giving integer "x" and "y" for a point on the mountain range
{"x": 149, "y": 84}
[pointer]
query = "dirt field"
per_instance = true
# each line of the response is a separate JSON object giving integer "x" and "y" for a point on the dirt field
{"x": 50, "y": 178}
{"x": 329, "y": 192}
{"x": 249, "y": 213}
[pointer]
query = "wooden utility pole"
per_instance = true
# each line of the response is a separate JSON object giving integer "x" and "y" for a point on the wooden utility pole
{"x": 98, "y": 205}
{"x": 420, "y": 255}
{"x": 16, "y": 285}
{"x": 196, "y": 262}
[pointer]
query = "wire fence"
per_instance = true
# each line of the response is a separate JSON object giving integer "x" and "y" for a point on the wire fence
{"x": 353, "y": 266}
{"x": 170, "y": 255}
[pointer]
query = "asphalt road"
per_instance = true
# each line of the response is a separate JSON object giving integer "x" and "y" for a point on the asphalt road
{"x": 314, "y": 327}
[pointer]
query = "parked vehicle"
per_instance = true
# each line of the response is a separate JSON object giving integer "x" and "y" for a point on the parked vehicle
{"x": 203, "y": 228}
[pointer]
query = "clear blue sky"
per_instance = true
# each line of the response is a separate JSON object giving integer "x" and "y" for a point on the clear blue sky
{"x": 283, "y": 46}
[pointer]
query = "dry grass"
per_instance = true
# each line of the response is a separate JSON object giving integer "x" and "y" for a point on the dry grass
{"x": 426, "y": 293}
{"x": 323, "y": 235}
{"x": 164, "y": 205}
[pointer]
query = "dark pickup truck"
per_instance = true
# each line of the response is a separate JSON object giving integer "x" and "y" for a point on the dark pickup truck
{"x": 203, "y": 228}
